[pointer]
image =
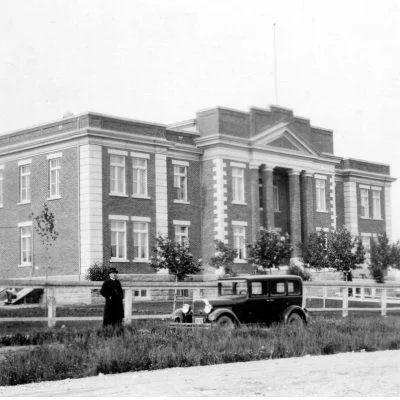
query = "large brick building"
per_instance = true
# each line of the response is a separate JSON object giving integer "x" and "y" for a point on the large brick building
{"x": 114, "y": 183}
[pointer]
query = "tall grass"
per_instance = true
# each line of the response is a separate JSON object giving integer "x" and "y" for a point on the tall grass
{"x": 90, "y": 352}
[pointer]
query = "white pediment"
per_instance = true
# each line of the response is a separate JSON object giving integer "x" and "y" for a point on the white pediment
{"x": 280, "y": 137}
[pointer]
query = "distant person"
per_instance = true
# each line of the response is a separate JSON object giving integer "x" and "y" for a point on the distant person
{"x": 113, "y": 293}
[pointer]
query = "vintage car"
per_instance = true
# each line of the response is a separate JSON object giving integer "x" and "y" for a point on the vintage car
{"x": 261, "y": 299}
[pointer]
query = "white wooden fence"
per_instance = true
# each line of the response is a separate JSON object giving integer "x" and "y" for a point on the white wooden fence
{"x": 338, "y": 291}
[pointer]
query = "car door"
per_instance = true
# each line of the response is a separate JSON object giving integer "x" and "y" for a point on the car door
{"x": 253, "y": 309}
{"x": 277, "y": 300}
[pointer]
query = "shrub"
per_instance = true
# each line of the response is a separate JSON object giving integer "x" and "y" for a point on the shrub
{"x": 98, "y": 272}
{"x": 224, "y": 256}
{"x": 296, "y": 270}
{"x": 383, "y": 255}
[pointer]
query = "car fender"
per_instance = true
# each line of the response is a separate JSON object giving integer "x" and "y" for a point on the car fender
{"x": 214, "y": 315}
{"x": 301, "y": 311}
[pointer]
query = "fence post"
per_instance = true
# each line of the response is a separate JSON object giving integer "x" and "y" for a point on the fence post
{"x": 345, "y": 307}
{"x": 51, "y": 307}
{"x": 324, "y": 295}
{"x": 383, "y": 302}
{"x": 362, "y": 293}
{"x": 128, "y": 307}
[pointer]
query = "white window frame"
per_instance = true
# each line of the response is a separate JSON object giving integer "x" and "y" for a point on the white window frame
{"x": 239, "y": 240}
{"x": 141, "y": 229}
{"x": 320, "y": 191}
{"x": 25, "y": 235}
{"x": 238, "y": 185}
{"x": 120, "y": 237}
{"x": 180, "y": 182}
{"x": 140, "y": 173}
{"x": 25, "y": 183}
{"x": 1, "y": 185}
{"x": 56, "y": 183}
{"x": 376, "y": 204}
{"x": 364, "y": 202}
{"x": 116, "y": 166}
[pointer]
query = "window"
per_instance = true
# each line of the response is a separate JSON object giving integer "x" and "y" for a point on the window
{"x": 277, "y": 287}
{"x": 276, "y": 197}
{"x": 320, "y": 185}
{"x": 25, "y": 183}
{"x": 364, "y": 194}
{"x": 294, "y": 287}
{"x": 238, "y": 185}
{"x": 140, "y": 293}
{"x": 239, "y": 241}
{"x": 140, "y": 240}
{"x": 256, "y": 289}
{"x": 180, "y": 182}
{"x": 25, "y": 233}
{"x": 139, "y": 171}
{"x": 182, "y": 293}
{"x": 1, "y": 187}
{"x": 118, "y": 240}
{"x": 376, "y": 204}
{"x": 117, "y": 174}
{"x": 54, "y": 177}
{"x": 181, "y": 234}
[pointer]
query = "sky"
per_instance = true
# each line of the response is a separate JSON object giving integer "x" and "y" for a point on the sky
{"x": 338, "y": 64}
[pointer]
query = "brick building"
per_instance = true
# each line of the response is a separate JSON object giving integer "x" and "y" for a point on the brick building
{"x": 114, "y": 183}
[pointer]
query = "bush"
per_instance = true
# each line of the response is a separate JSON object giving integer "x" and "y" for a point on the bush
{"x": 98, "y": 272}
{"x": 296, "y": 270}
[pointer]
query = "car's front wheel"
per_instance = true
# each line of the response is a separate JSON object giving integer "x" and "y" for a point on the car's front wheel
{"x": 225, "y": 322}
{"x": 295, "y": 319}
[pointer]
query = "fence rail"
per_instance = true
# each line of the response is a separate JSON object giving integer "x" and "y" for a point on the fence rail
{"x": 356, "y": 291}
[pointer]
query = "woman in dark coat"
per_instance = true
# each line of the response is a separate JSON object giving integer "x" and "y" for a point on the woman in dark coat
{"x": 113, "y": 293}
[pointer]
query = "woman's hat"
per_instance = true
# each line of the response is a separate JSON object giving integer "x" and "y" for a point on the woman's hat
{"x": 113, "y": 271}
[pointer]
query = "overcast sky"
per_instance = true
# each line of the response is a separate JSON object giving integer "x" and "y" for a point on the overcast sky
{"x": 161, "y": 61}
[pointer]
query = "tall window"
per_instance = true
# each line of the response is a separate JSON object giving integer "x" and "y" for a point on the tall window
{"x": 320, "y": 185}
{"x": 276, "y": 197}
{"x": 181, "y": 234}
{"x": 54, "y": 177}
{"x": 117, "y": 174}
{"x": 25, "y": 183}
{"x": 140, "y": 240}
{"x": 118, "y": 239}
{"x": 364, "y": 194}
{"x": 25, "y": 245}
{"x": 1, "y": 187}
{"x": 376, "y": 204}
{"x": 238, "y": 184}
{"x": 139, "y": 170}
{"x": 239, "y": 241}
{"x": 180, "y": 182}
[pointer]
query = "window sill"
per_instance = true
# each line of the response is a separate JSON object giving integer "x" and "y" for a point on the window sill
{"x": 239, "y": 261}
{"x": 23, "y": 202}
{"x": 123, "y": 260}
{"x": 25, "y": 265}
{"x": 181, "y": 201}
{"x": 323, "y": 211}
{"x": 138, "y": 196}
{"x": 375, "y": 219}
{"x": 365, "y": 217}
{"x": 239, "y": 203}
{"x": 54, "y": 198}
{"x": 140, "y": 260}
{"x": 118, "y": 194}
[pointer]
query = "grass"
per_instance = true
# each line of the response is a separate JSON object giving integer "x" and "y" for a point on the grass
{"x": 153, "y": 345}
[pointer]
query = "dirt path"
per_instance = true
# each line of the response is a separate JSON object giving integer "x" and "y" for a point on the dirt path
{"x": 347, "y": 374}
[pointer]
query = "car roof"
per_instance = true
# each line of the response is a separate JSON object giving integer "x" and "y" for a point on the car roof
{"x": 262, "y": 277}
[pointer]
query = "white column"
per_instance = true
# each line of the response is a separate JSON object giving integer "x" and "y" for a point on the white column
{"x": 90, "y": 206}
{"x": 220, "y": 200}
{"x": 161, "y": 194}
{"x": 350, "y": 207}
{"x": 388, "y": 211}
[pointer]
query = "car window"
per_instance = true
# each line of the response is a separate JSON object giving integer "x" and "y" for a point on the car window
{"x": 256, "y": 289}
{"x": 294, "y": 287}
{"x": 241, "y": 288}
{"x": 277, "y": 288}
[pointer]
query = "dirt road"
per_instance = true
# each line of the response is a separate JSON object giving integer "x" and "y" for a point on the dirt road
{"x": 347, "y": 374}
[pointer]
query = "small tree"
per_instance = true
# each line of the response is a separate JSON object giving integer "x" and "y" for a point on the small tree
{"x": 174, "y": 257}
{"x": 383, "y": 255}
{"x": 344, "y": 253}
{"x": 224, "y": 256}
{"x": 270, "y": 249}
{"x": 315, "y": 250}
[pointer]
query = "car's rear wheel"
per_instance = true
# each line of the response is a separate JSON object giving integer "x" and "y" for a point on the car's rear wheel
{"x": 295, "y": 319}
{"x": 225, "y": 322}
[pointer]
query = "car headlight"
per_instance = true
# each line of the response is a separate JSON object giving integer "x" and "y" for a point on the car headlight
{"x": 185, "y": 308}
{"x": 207, "y": 307}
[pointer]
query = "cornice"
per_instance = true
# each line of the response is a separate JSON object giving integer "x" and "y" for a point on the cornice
{"x": 354, "y": 173}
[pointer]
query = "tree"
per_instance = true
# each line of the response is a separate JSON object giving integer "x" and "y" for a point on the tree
{"x": 344, "y": 253}
{"x": 270, "y": 249}
{"x": 98, "y": 272}
{"x": 383, "y": 255}
{"x": 315, "y": 250}
{"x": 224, "y": 256}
